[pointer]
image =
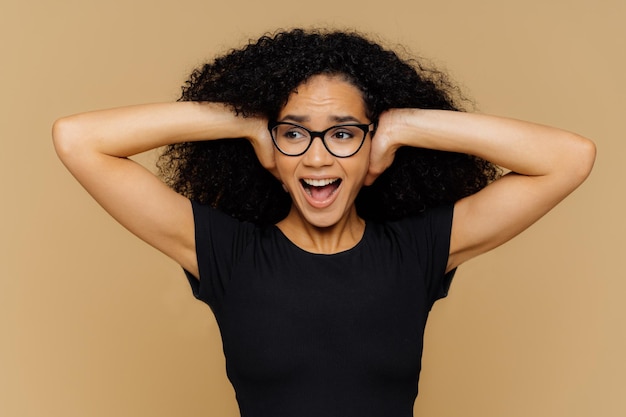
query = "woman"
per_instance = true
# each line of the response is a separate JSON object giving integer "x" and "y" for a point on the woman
{"x": 321, "y": 258}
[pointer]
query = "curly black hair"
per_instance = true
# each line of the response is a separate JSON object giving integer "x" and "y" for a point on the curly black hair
{"x": 257, "y": 80}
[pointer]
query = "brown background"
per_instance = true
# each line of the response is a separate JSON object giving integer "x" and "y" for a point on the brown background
{"x": 95, "y": 323}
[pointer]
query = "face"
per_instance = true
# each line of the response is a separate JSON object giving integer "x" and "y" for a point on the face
{"x": 323, "y": 187}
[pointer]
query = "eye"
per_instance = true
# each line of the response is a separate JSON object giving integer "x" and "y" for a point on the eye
{"x": 342, "y": 133}
{"x": 292, "y": 133}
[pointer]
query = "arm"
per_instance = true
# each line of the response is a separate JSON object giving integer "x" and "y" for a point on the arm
{"x": 546, "y": 163}
{"x": 95, "y": 148}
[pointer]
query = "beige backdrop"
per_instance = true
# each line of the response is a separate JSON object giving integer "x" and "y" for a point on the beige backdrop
{"x": 94, "y": 323}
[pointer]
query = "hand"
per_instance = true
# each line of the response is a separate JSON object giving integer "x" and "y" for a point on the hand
{"x": 262, "y": 142}
{"x": 383, "y": 149}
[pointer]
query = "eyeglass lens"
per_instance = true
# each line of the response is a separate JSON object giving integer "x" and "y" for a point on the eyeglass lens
{"x": 341, "y": 140}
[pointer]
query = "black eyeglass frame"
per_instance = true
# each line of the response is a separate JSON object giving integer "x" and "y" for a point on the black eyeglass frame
{"x": 366, "y": 128}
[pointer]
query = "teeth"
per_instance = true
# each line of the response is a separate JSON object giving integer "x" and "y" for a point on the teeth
{"x": 319, "y": 183}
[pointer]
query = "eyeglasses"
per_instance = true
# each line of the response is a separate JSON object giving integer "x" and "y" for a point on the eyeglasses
{"x": 341, "y": 141}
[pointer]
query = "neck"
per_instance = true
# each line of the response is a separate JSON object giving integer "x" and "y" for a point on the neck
{"x": 339, "y": 237}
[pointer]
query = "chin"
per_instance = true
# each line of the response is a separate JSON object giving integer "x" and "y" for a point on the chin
{"x": 323, "y": 219}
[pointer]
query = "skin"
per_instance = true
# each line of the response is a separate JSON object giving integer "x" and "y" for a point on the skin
{"x": 330, "y": 225}
{"x": 548, "y": 164}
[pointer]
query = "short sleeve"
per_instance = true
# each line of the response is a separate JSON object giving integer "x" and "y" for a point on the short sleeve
{"x": 431, "y": 239}
{"x": 220, "y": 239}
{"x": 440, "y": 229}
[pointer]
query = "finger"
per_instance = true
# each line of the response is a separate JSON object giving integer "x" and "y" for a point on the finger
{"x": 267, "y": 159}
{"x": 369, "y": 179}
{"x": 377, "y": 166}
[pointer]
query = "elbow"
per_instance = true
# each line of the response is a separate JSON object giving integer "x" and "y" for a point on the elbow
{"x": 585, "y": 157}
{"x": 580, "y": 158}
{"x": 65, "y": 137}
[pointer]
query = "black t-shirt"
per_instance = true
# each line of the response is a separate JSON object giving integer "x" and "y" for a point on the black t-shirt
{"x": 309, "y": 334}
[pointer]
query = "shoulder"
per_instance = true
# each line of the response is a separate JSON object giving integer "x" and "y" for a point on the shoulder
{"x": 218, "y": 236}
{"x": 436, "y": 220}
{"x": 207, "y": 218}
{"x": 422, "y": 232}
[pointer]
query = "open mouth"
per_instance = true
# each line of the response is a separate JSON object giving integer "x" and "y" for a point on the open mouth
{"x": 320, "y": 190}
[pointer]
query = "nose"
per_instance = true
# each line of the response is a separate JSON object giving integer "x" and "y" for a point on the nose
{"x": 317, "y": 154}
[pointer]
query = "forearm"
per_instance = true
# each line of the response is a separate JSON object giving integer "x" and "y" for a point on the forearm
{"x": 126, "y": 131}
{"x": 548, "y": 164}
{"x": 522, "y": 147}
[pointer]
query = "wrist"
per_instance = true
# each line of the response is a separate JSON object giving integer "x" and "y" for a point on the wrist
{"x": 400, "y": 127}
{"x": 219, "y": 121}
{"x": 254, "y": 127}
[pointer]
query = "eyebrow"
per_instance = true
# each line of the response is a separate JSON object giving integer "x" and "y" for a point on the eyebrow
{"x": 334, "y": 118}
